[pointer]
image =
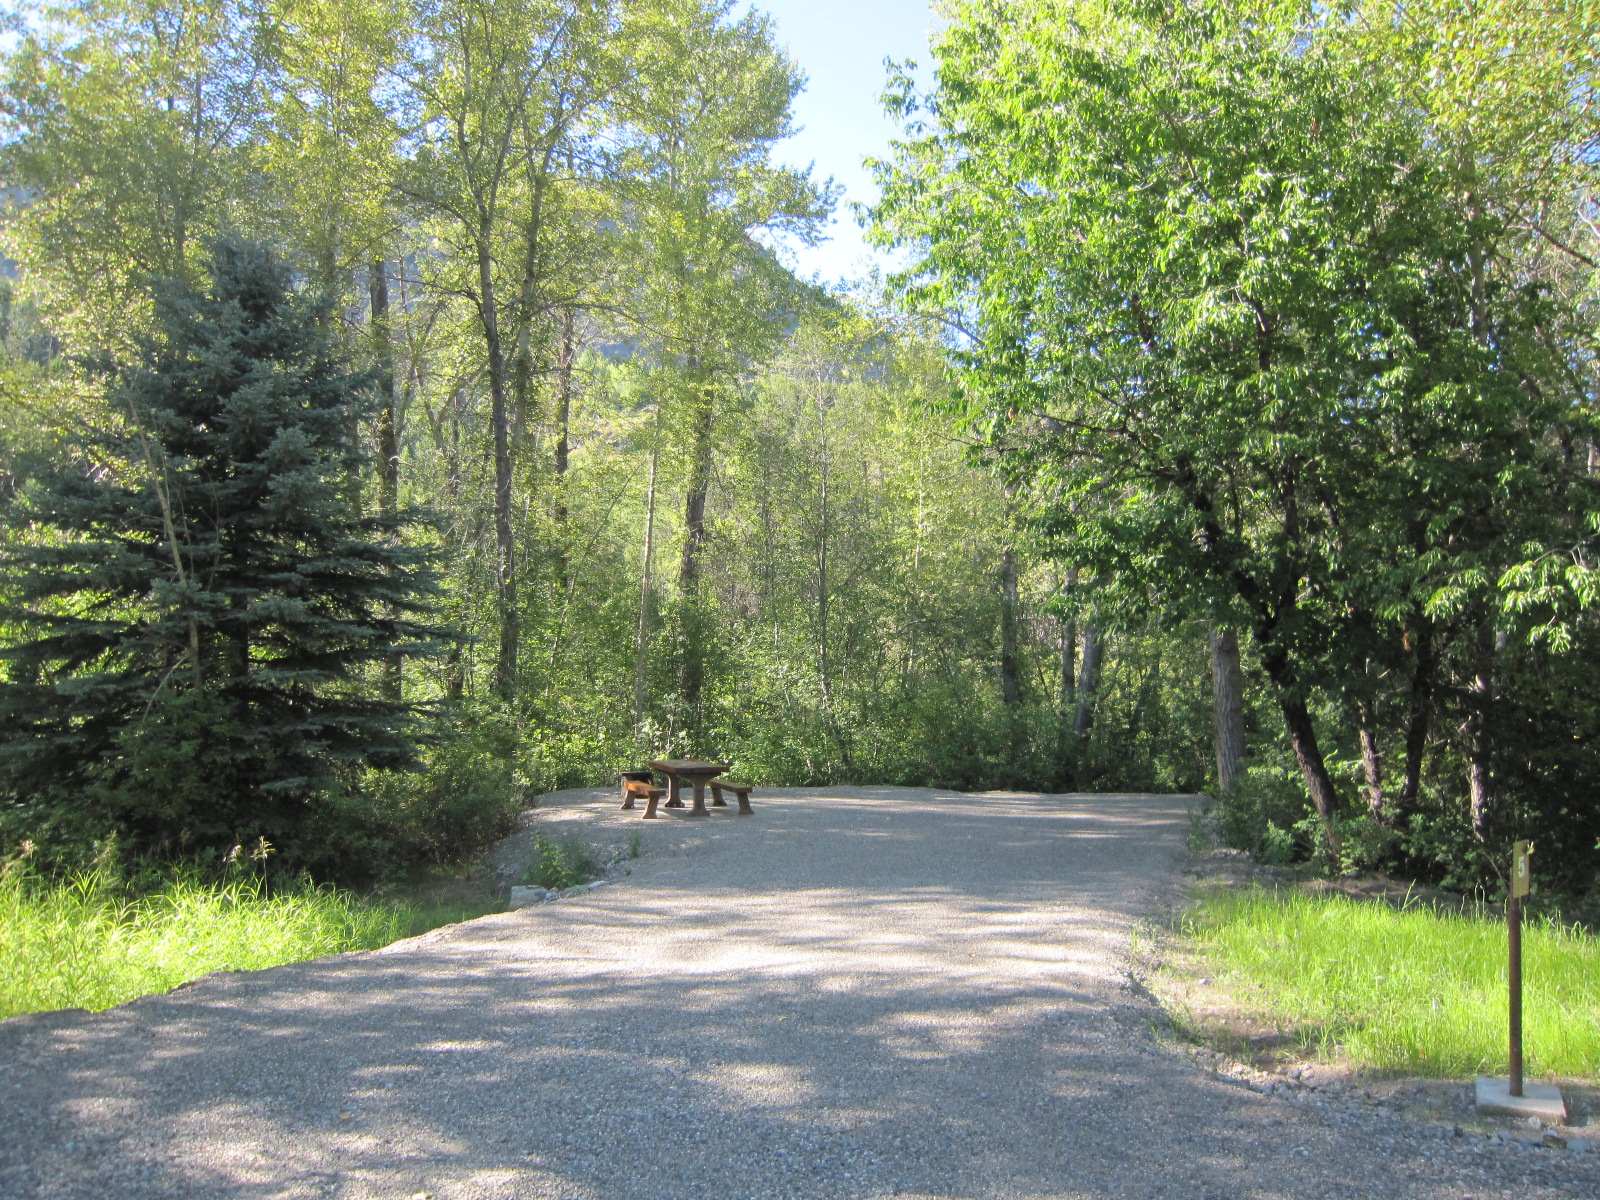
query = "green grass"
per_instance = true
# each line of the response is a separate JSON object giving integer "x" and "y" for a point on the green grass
{"x": 90, "y": 944}
{"x": 1415, "y": 990}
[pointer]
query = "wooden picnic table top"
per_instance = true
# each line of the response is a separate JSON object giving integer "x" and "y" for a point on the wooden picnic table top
{"x": 687, "y": 766}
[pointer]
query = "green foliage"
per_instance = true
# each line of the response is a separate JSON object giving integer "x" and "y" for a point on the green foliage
{"x": 1367, "y": 844}
{"x": 560, "y": 865}
{"x": 1262, "y": 814}
{"x": 192, "y": 595}
{"x": 1262, "y": 316}
{"x": 461, "y": 797}
{"x": 122, "y": 189}
{"x": 1417, "y": 990}
{"x": 854, "y": 604}
{"x": 94, "y": 942}
{"x": 1247, "y": 328}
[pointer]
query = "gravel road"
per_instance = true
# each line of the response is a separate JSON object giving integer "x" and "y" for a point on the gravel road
{"x": 862, "y": 993}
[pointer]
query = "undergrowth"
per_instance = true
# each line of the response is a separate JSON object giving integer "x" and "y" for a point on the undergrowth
{"x": 1418, "y": 989}
{"x": 562, "y": 864}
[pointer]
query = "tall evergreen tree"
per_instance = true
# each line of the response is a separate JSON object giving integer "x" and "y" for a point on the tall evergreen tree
{"x": 195, "y": 594}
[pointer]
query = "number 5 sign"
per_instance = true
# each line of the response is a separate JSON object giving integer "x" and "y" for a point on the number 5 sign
{"x": 1520, "y": 879}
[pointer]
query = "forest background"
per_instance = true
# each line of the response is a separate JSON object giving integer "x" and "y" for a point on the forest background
{"x": 407, "y": 410}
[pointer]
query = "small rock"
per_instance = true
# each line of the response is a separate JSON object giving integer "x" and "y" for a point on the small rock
{"x": 1533, "y": 1123}
{"x": 522, "y": 897}
{"x": 599, "y": 883}
{"x": 1555, "y": 1141}
{"x": 1580, "y": 1145}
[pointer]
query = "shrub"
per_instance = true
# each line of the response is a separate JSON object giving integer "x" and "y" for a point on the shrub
{"x": 1266, "y": 815}
{"x": 461, "y": 800}
{"x": 561, "y": 865}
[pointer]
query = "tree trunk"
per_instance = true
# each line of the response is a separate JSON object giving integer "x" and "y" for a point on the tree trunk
{"x": 452, "y": 447}
{"x": 1372, "y": 766}
{"x": 499, "y": 420}
{"x": 1010, "y": 688}
{"x": 1313, "y": 769}
{"x": 383, "y": 354}
{"x": 1227, "y": 708}
{"x": 170, "y": 529}
{"x": 1303, "y": 739}
{"x": 1088, "y": 679}
{"x": 641, "y": 656}
{"x": 822, "y": 554}
{"x": 563, "y": 435}
{"x": 691, "y": 677}
{"x": 1420, "y": 717}
{"x": 1069, "y": 662}
{"x": 1480, "y": 697}
{"x": 391, "y": 686}
{"x": 1069, "y": 648}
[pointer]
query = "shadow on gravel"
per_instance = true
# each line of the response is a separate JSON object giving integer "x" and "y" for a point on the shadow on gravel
{"x": 904, "y": 1018}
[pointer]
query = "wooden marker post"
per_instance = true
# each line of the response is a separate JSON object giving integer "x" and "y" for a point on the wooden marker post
{"x": 1519, "y": 888}
{"x": 1509, "y": 1097}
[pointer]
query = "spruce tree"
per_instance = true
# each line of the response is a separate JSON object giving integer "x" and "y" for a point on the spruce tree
{"x": 195, "y": 598}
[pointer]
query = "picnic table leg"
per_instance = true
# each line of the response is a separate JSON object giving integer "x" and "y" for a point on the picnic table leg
{"x": 674, "y": 800}
{"x": 699, "y": 799}
{"x": 650, "y": 809}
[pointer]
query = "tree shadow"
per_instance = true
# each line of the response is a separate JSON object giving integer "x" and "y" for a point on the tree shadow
{"x": 912, "y": 1022}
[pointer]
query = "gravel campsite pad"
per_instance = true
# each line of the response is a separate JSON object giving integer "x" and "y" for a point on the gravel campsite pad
{"x": 870, "y": 992}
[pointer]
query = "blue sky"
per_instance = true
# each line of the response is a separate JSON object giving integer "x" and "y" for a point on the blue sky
{"x": 841, "y": 45}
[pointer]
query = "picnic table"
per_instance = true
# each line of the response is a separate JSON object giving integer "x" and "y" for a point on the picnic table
{"x": 688, "y": 770}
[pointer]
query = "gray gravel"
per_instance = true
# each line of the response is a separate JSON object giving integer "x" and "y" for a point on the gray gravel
{"x": 864, "y": 993}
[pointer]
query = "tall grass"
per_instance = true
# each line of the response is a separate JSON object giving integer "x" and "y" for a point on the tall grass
{"x": 1416, "y": 989}
{"x": 91, "y": 944}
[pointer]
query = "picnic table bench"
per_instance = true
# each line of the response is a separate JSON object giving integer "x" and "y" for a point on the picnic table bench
{"x": 633, "y": 789}
{"x": 740, "y": 790}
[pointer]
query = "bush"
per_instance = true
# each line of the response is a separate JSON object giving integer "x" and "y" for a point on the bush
{"x": 464, "y": 797}
{"x": 1267, "y": 814}
{"x": 562, "y": 865}
{"x": 1368, "y": 845}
